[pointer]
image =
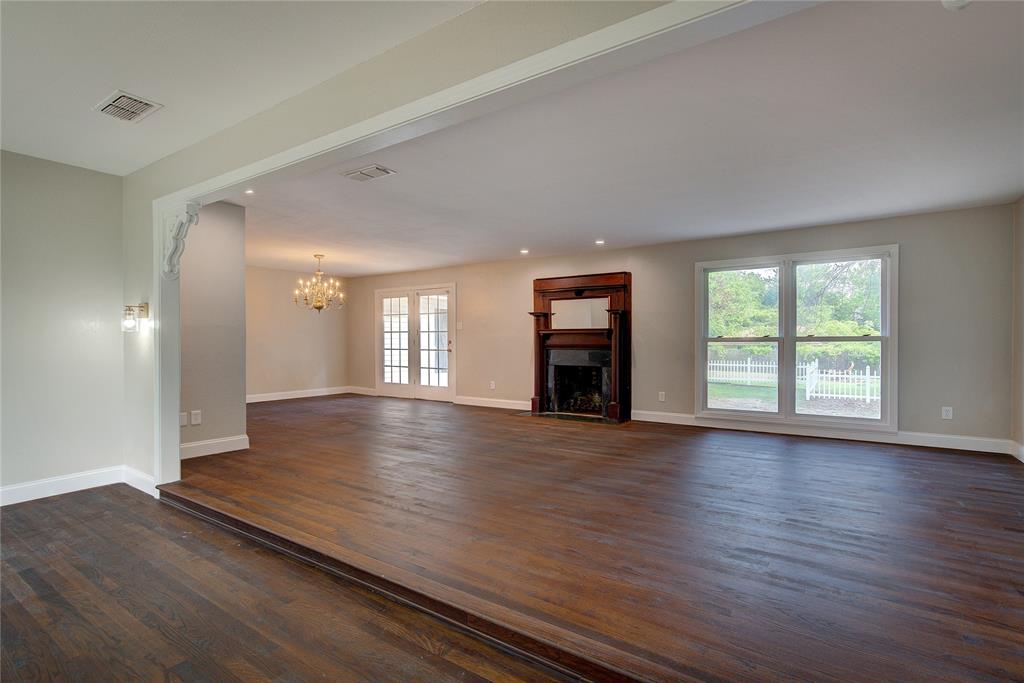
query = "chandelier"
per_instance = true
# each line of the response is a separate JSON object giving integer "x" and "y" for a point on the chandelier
{"x": 317, "y": 293}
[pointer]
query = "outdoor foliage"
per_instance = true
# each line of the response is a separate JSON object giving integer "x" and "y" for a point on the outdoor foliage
{"x": 743, "y": 303}
{"x": 839, "y": 299}
{"x": 833, "y": 299}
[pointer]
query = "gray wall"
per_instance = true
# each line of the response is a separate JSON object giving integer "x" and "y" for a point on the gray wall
{"x": 288, "y": 348}
{"x": 213, "y": 324}
{"x": 954, "y": 314}
{"x": 62, "y": 397}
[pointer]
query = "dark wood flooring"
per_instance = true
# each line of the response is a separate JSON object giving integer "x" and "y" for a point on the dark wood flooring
{"x": 651, "y": 551}
{"x": 109, "y": 585}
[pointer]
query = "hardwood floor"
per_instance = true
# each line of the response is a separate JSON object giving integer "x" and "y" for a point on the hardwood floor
{"x": 649, "y": 551}
{"x": 110, "y": 585}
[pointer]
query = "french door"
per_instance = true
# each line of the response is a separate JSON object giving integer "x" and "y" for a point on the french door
{"x": 415, "y": 344}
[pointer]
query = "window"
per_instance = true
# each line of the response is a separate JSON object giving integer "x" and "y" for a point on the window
{"x": 801, "y": 338}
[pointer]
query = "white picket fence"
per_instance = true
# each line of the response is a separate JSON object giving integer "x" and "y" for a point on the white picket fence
{"x": 750, "y": 372}
{"x": 864, "y": 385}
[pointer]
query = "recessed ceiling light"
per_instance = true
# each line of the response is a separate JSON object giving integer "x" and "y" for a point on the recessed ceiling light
{"x": 524, "y": 251}
{"x": 250, "y": 191}
{"x": 599, "y": 242}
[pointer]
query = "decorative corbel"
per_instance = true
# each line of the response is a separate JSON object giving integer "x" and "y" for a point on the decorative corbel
{"x": 174, "y": 243}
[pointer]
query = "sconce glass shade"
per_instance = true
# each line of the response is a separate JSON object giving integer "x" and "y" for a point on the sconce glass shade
{"x": 129, "y": 321}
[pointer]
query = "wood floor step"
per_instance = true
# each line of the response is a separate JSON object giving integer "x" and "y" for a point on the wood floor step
{"x": 516, "y": 641}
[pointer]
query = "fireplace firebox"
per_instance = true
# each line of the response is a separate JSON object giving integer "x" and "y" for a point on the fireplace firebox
{"x": 582, "y": 346}
{"x": 579, "y": 381}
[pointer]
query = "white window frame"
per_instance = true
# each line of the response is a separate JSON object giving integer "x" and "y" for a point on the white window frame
{"x": 787, "y": 340}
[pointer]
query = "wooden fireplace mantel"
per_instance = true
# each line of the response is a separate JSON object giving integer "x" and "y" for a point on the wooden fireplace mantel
{"x": 615, "y": 338}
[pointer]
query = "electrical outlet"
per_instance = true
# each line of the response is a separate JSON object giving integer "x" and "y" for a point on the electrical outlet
{"x": 661, "y": 396}
{"x": 197, "y": 417}
{"x": 492, "y": 384}
{"x": 947, "y": 413}
{"x": 183, "y": 419}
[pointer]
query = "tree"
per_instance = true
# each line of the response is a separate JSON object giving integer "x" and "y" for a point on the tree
{"x": 840, "y": 299}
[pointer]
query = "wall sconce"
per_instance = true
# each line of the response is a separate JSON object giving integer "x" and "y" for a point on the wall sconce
{"x": 134, "y": 317}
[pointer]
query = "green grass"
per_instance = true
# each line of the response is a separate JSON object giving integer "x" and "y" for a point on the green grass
{"x": 728, "y": 390}
{"x": 724, "y": 390}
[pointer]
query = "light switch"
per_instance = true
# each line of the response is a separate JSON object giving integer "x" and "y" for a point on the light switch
{"x": 197, "y": 417}
{"x": 458, "y": 325}
{"x": 183, "y": 419}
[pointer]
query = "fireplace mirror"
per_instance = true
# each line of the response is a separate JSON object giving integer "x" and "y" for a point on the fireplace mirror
{"x": 580, "y": 314}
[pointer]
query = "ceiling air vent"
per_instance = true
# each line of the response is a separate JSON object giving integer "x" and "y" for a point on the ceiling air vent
{"x": 126, "y": 107}
{"x": 368, "y": 173}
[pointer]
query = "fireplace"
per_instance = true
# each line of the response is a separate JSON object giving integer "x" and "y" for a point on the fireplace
{"x": 579, "y": 381}
{"x": 582, "y": 346}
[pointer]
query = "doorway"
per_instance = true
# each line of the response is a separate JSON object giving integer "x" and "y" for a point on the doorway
{"x": 415, "y": 342}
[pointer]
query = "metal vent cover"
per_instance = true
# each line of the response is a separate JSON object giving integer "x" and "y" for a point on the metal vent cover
{"x": 368, "y": 173}
{"x": 126, "y": 107}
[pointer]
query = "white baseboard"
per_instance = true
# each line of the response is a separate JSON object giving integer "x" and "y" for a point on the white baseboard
{"x": 226, "y": 444}
{"x": 492, "y": 402}
{"x": 953, "y": 441}
{"x": 141, "y": 481}
{"x": 306, "y": 393}
{"x": 957, "y": 442}
{"x": 363, "y": 391}
{"x": 68, "y": 483}
{"x": 1018, "y": 451}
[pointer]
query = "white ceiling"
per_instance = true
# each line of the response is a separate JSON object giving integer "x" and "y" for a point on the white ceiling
{"x": 841, "y": 112}
{"x": 211, "y": 64}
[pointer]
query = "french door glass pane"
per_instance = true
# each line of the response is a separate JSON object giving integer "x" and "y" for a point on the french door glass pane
{"x": 743, "y": 376}
{"x": 840, "y": 299}
{"x": 434, "y": 340}
{"x": 743, "y": 303}
{"x": 839, "y": 379}
{"x": 395, "y": 315}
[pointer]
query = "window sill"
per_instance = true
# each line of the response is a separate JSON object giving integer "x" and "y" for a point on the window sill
{"x": 811, "y": 423}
